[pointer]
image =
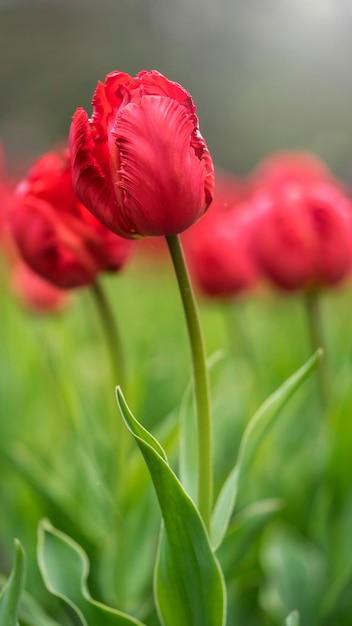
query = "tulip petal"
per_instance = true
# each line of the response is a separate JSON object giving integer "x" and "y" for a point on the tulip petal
{"x": 283, "y": 239}
{"x": 56, "y": 253}
{"x": 50, "y": 179}
{"x": 107, "y": 98}
{"x": 155, "y": 84}
{"x": 91, "y": 171}
{"x": 330, "y": 215}
{"x": 162, "y": 177}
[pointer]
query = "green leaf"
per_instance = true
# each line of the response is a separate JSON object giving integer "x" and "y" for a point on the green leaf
{"x": 241, "y": 536}
{"x": 295, "y": 574}
{"x": 188, "y": 452}
{"x": 189, "y": 583}
{"x": 224, "y": 507}
{"x": 292, "y": 619}
{"x": 256, "y": 430}
{"x": 64, "y": 567}
{"x": 11, "y": 592}
{"x": 340, "y": 567}
{"x": 29, "y": 611}
{"x": 51, "y": 488}
{"x": 32, "y": 614}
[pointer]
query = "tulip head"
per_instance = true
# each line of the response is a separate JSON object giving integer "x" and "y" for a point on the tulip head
{"x": 140, "y": 164}
{"x": 218, "y": 247}
{"x": 303, "y": 237}
{"x": 55, "y": 234}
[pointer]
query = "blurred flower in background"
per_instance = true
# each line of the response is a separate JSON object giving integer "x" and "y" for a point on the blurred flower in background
{"x": 218, "y": 247}
{"x": 289, "y": 167}
{"x": 303, "y": 234}
{"x": 56, "y": 235}
{"x": 7, "y": 185}
{"x": 34, "y": 292}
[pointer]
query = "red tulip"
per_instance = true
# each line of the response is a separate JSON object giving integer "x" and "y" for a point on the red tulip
{"x": 303, "y": 234}
{"x": 6, "y": 202}
{"x": 284, "y": 167}
{"x": 57, "y": 237}
{"x": 140, "y": 164}
{"x": 218, "y": 247}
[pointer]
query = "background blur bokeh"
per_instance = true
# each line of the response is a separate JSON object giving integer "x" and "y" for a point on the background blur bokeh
{"x": 265, "y": 76}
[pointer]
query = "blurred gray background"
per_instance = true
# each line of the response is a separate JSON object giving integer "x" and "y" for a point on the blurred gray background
{"x": 266, "y": 75}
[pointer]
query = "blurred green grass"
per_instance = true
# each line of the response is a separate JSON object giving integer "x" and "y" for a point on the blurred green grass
{"x": 58, "y": 430}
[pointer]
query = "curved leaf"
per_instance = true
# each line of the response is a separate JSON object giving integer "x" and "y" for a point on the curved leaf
{"x": 256, "y": 430}
{"x": 64, "y": 567}
{"x": 11, "y": 592}
{"x": 189, "y": 585}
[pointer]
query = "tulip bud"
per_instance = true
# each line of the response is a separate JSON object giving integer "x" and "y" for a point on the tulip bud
{"x": 140, "y": 164}
{"x": 56, "y": 235}
{"x": 303, "y": 236}
{"x": 218, "y": 247}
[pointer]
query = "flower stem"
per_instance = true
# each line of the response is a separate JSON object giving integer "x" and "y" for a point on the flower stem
{"x": 118, "y": 374}
{"x": 312, "y": 303}
{"x": 201, "y": 384}
{"x": 112, "y": 336}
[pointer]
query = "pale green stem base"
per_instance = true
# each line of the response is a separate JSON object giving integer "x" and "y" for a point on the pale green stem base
{"x": 201, "y": 384}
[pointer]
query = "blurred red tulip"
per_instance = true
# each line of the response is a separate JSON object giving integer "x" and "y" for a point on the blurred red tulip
{"x": 36, "y": 293}
{"x": 6, "y": 202}
{"x": 303, "y": 234}
{"x": 140, "y": 164}
{"x": 281, "y": 168}
{"x": 56, "y": 235}
{"x": 218, "y": 247}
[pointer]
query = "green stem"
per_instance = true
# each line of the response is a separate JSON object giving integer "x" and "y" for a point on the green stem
{"x": 201, "y": 384}
{"x": 312, "y": 303}
{"x": 114, "y": 346}
{"x": 112, "y": 336}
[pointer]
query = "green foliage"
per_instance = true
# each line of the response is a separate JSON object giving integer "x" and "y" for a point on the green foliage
{"x": 292, "y": 619}
{"x": 288, "y": 543}
{"x": 255, "y": 432}
{"x": 189, "y": 584}
{"x": 11, "y": 592}
{"x": 296, "y": 574}
{"x": 65, "y": 567}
